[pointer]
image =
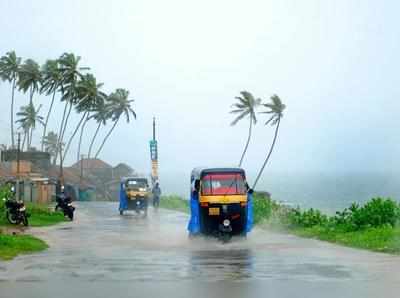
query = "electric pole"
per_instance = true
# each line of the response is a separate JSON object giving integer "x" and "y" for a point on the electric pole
{"x": 154, "y": 155}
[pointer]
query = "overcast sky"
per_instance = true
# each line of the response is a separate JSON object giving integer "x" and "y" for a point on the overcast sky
{"x": 335, "y": 64}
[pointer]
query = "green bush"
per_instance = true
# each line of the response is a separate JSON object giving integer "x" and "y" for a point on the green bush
{"x": 262, "y": 208}
{"x": 375, "y": 213}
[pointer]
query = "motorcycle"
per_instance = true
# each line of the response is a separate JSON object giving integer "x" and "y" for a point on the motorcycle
{"x": 16, "y": 212}
{"x": 65, "y": 204}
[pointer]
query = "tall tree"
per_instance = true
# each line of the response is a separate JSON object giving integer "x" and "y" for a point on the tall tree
{"x": 51, "y": 145}
{"x": 29, "y": 78}
{"x": 71, "y": 73}
{"x": 51, "y": 81}
{"x": 101, "y": 115}
{"x": 119, "y": 104}
{"x": 246, "y": 106}
{"x": 28, "y": 117}
{"x": 91, "y": 99}
{"x": 275, "y": 110}
{"x": 9, "y": 68}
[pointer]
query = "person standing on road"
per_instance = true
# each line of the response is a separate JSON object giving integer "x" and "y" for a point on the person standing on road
{"x": 156, "y": 195}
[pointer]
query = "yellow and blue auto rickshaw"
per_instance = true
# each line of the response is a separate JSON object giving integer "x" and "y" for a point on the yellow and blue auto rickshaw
{"x": 220, "y": 203}
{"x": 134, "y": 195}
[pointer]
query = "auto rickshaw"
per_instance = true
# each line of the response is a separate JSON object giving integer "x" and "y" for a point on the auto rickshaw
{"x": 134, "y": 195}
{"x": 220, "y": 203}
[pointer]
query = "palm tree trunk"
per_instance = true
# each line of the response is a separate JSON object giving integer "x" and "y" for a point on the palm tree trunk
{"x": 23, "y": 142}
{"x": 47, "y": 119}
{"x": 30, "y": 138}
{"x": 80, "y": 138}
{"x": 73, "y": 135}
{"x": 60, "y": 131}
{"x": 66, "y": 121}
{"x": 92, "y": 142}
{"x": 31, "y": 95}
{"x": 12, "y": 114}
{"x": 269, "y": 153}
{"x": 61, "y": 141}
{"x": 248, "y": 141}
{"x": 27, "y": 139}
{"x": 106, "y": 137}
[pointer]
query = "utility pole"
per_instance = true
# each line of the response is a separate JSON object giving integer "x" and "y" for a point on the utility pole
{"x": 17, "y": 190}
{"x": 154, "y": 155}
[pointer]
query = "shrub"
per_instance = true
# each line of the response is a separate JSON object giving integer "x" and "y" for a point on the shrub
{"x": 375, "y": 213}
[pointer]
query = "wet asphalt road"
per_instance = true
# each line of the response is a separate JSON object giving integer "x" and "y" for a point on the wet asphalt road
{"x": 102, "y": 254}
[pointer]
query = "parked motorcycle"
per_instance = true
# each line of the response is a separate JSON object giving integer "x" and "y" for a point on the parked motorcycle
{"x": 16, "y": 212}
{"x": 65, "y": 204}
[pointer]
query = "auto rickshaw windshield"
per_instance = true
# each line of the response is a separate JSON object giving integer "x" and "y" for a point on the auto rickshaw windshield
{"x": 136, "y": 183}
{"x": 223, "y": 184}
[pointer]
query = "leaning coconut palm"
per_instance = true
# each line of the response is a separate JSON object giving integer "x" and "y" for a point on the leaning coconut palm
{"x": 9, "y": 67}
{"x": 71, "y": 73}
{"x": 101, "y": 115}
{"x": 51, "y": 145}
{"x": 51, "y": 81}
{"x": 25, "y": 129}
{"x": 29, "y": 78}
{"x": 89, "y": 95}
{"x": 119, "y": 104}
{"x": 28, "y": 117}
{"x": 246, "y": 106}
{"x": 275, "y": 109}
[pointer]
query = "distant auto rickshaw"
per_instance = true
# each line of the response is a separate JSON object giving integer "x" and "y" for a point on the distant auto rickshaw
{"x": 134, "y": 195}
{"x": 220, "y": 203}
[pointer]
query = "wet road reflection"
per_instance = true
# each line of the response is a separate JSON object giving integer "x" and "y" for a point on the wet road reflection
{"x": 103, "y": 246}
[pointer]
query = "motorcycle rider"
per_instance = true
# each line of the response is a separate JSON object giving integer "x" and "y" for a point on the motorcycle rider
{"x": 156, "y": 195}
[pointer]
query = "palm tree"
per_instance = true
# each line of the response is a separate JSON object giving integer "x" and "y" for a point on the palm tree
{"x": 119, "y": 104}
{"x": 9, "y": 67}
{"x": 89, "y": 95}
{"x": 51, "y": 80}
{"x": 28, "y": 117}
{"x": 275, "y": 109}
{"x": 101, "y": 115}
{"x": 245, "y": 107}
{"x": 50, "y": 143}
{"x": 71, "y": 73}
{"x": 29, "y": 78}
{"x": 25, "y": 129}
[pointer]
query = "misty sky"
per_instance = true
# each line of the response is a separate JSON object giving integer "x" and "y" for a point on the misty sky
{"x": 335, "y": 64}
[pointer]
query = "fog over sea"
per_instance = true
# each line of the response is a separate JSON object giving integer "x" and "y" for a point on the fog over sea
{"x": 328, "y": 192}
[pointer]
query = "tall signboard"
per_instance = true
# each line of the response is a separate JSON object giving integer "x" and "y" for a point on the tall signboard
{"x": 154, "y": 155}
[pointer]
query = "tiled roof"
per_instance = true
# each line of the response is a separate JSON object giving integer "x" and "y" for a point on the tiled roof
{"x": 92, "y": 163}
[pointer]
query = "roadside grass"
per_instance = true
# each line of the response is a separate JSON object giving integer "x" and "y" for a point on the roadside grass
{"x": 373, "y": 226}
{"x": 382, "y": 239}
{"x": 40, "y": 215}
{"x": 13, "y": 245}
{"x": 174, "y": 202}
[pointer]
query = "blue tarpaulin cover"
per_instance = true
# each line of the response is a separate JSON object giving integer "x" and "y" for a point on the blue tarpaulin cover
{"x": 123, "y": 200}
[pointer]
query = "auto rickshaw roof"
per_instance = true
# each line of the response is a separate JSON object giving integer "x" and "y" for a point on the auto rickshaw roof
{"x": 124, "y": 179}
{"x": 197, "y": 173}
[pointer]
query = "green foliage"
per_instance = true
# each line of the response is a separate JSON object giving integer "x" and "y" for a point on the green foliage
{"x": 308, "y": 218}
{"x": 174, "y": 203}
{"x": 375, "y": 213}
{"x": 40, "y": 215}
{"x": 12, "y": 245}
{"x": 262, "y": 208}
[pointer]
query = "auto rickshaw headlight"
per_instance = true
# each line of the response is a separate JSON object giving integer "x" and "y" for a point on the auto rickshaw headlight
{"x": 226, "y": 222}
{"x": 142, "y": 189}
